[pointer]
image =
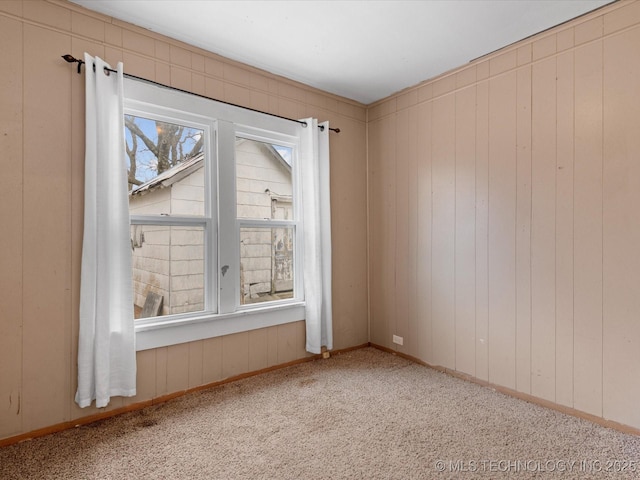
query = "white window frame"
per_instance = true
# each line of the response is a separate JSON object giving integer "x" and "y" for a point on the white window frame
{"x": 296, "y": 223}
{"x": 222, "y": 123}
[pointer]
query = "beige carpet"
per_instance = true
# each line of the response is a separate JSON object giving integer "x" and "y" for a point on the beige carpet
{"x": 364, "y": 414}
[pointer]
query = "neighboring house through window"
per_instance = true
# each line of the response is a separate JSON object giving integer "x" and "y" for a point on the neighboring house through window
{"x": 215, "y": 216}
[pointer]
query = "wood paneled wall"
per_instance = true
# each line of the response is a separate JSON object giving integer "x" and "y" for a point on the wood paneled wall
{"x": 504, "y": 217}
{"x": 503, "y": 205}
{"x": 41, "y": 188}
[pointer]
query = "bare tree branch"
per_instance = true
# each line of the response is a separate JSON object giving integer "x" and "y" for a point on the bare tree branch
{"x": 133, "y": 164}
{"x": 135, "y": 130}
{"x": 168, "y": 149}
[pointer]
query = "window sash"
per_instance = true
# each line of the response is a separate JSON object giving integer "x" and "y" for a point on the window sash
{"x": 210, "y": 241}
{"x": 298, "y": 285}
{"x": 222, "y": 227}
{"x": 229, "y": 239}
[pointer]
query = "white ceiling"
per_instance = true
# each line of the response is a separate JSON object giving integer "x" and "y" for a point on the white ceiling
{"x": 363, "y": 50}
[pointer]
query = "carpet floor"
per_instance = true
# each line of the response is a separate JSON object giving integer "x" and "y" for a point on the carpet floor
{"x": 364, "y": 414}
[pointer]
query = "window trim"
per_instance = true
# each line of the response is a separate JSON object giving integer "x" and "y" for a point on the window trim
{"x": 199, "y": 327}
{"x": 209, "y": 219}
{"x": 226, "y": 122}
{"x": 296, "y": 223}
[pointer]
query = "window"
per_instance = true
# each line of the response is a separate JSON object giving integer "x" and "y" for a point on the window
{"x": 170, "y": 218}
{"x": 266, "y": 219}
{"x": 215, "y": 216}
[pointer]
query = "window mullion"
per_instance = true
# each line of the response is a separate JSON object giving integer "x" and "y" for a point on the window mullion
{"x": 228, "y": 241}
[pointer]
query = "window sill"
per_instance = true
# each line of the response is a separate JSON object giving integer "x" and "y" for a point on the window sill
{"x": 162, "y": 333}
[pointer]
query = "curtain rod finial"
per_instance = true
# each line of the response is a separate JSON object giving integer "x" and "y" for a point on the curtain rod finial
{"x": 72, "y": 59}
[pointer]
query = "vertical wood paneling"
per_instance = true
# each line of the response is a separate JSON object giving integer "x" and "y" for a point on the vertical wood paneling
{"x": 543, "y": 192}
{"x": 145, "y": 379}
{"x": 400, "y": 321}
{"x": 211, "y": 360}
{"x": 412, "y": 338}
{"x": 235, "y": 354}
{"x": 523, "y": 232}
{"x": 272, "y": 346}
{"x": 161, "y": 371}
{"x": 423, "y": 274}
{"x": 465, "y": 226}
{"x": 49, "y": 14}
{"x": 588, "y": 229}
{"x": 178, "y": 367}
{"x": 11, "y": 254}
{"x": 289, "y": 342}
{"x": 482, "y": 231}
{"x": 377, "y": 322}
{"x": 388, "y": 224}
{"x": 195, "y": 363}
{"x": 349, "y": 224}
{"x": 383, "y": 232}
{"x": 443, "y": 228}
{"x": 46, "y": 234}
{"x": 258, "y": 349}
{"x": 502, "y": 229}
{"x": 564, "y": 231}
{"x": 300, "y": 340}
{"x": 13, "y": 7}
{"x": 554, "y": 255}
{"x": 621, "y": 341}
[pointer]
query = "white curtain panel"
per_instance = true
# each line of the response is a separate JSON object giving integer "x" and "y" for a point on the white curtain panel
{"x": 316, "y": 212}
{"x": 106, "y": 346}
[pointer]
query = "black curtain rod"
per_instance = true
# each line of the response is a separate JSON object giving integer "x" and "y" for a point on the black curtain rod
{"x": 72, "y": 59}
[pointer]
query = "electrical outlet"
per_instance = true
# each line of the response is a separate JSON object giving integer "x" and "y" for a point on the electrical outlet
{"x": 398, "y": 340}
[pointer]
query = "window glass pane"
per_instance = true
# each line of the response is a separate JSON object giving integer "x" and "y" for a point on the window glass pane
{"x": 266, "y": 264}
{"x": 168, "y": 269}
{"x": 165, "y": 167}
{"x": 264, "y": 181}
